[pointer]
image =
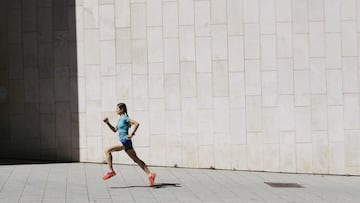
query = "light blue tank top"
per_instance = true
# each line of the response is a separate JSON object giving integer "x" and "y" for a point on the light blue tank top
{"x": 123, "y": 127}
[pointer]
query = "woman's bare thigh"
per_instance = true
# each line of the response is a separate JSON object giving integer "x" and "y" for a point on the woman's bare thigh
{"x": 118, "y": 146}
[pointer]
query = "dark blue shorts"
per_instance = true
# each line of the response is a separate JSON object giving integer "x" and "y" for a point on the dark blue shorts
{"x": 127, "y": 144}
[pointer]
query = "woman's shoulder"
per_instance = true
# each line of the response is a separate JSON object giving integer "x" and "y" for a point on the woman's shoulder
{"x": 126, "y": 118}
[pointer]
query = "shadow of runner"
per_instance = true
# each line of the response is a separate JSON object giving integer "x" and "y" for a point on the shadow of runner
{"x": 159, "y": 185}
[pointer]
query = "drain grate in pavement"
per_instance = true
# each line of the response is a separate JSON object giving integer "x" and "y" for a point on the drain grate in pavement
{"x": 284, "y": 185}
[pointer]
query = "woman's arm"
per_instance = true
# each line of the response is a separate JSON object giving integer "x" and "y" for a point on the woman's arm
{"x": 114, "y": 129}
{"x": 136, "y": 125}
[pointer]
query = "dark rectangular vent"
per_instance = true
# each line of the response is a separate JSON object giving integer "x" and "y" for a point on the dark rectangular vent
{"x": 284, "y": 185}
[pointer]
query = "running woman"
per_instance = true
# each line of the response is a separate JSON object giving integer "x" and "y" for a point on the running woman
{"x": 125, "y": 143}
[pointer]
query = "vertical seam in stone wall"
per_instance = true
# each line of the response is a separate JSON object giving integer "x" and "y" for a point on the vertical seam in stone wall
{"x": 244, "y": 85}
{"x": 131, "y": 59}
{"x": 149, "y": 98}
{"x": 116, "y": 63}
{"x": 196, "y": 89}
{"x": 212, "y": 85}
{"x": 70, "y": 73}
{"x": 38, "y": 75}
{"x": 326, "y": 85}
{"x": 22, "y": 56}
{"x": 293, "y": 84}
{"x": 277, "y": 85}
{"x": 180, "y": 86}
{"x": 85, "y": 92}
{"x": 308, "y": 69}
{"x": 261, "y": 96}
{"x": 310, "y": 92}
{"x": 53, "y": 75}
{"x": 228, "y": 89}
{"x": 277, "y": 81}
{"x": 98, "y": 29}
{"x": 342, "y": 84}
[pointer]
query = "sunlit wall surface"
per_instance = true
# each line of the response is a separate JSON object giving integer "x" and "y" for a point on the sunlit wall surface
{"x": 268, "y": 85}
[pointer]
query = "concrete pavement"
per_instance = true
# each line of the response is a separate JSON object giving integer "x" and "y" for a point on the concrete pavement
{"x": 82, "y": 182}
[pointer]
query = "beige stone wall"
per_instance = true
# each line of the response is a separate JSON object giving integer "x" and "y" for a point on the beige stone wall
{"x": 236, "y": 84}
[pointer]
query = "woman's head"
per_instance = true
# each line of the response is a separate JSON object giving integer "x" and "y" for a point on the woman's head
{"x": 121, "y": 109}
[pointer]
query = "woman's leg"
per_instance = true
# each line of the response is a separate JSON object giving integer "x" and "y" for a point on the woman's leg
{"x": 133, "y": 156}
{"x": 116, "y": 147}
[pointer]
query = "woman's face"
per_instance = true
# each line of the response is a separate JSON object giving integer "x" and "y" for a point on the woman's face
{"x": 119, "y": 110}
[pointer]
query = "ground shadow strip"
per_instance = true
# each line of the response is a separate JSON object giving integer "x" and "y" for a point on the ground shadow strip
{"x": 284, "y": 185}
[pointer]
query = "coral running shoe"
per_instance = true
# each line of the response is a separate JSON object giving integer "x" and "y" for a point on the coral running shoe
{"x": 109, "y": 175}
{"x": 152, "y": 179}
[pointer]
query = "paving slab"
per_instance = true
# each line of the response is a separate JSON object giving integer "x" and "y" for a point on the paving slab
{"x": 82, "y": 182}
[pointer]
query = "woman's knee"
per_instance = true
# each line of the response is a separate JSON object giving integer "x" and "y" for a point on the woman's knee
{"x": 107, "y": 151}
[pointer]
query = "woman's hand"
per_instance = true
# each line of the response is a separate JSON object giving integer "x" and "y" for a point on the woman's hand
{"x": 130, "y": 136}
{"x": 114, "y": 129}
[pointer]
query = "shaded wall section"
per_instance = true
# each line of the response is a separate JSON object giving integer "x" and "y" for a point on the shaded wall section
{"x": 38, "y": 80}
